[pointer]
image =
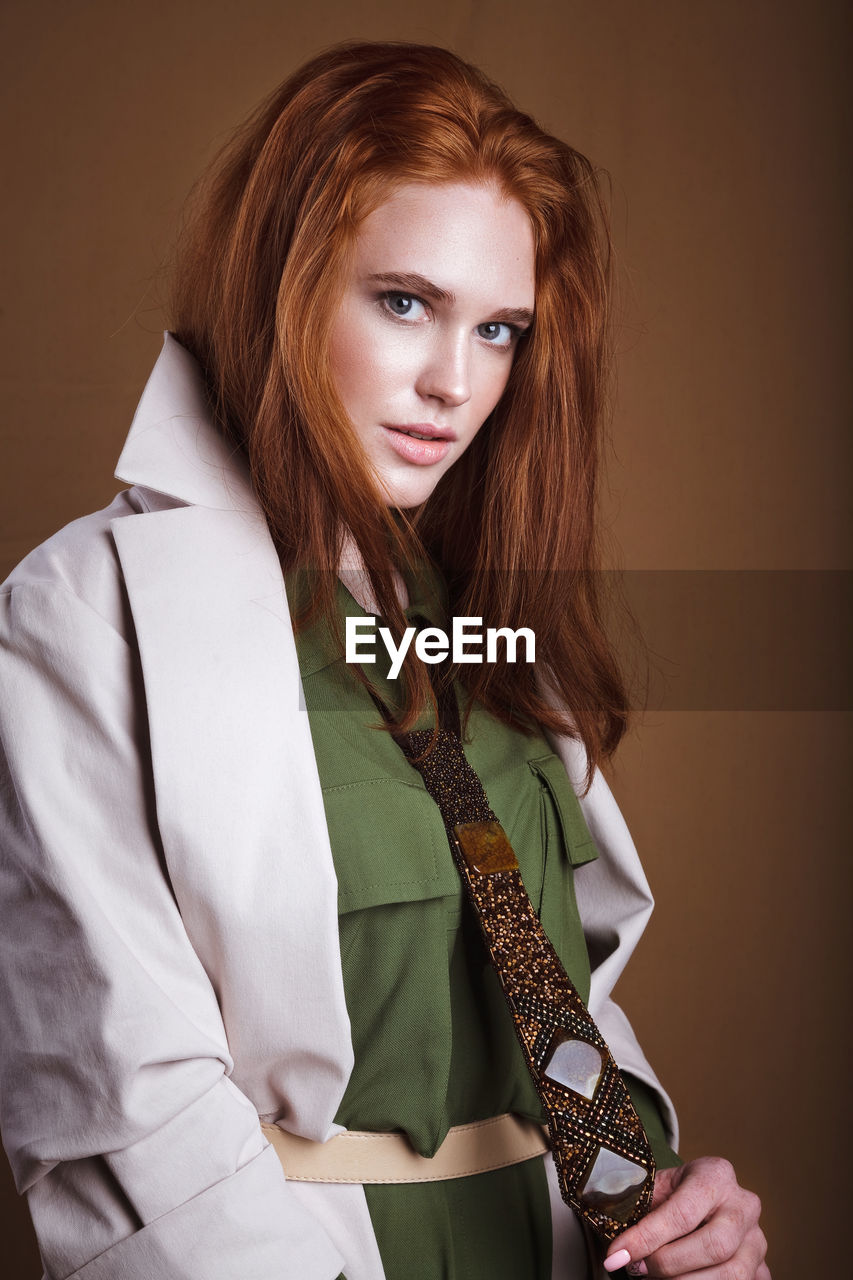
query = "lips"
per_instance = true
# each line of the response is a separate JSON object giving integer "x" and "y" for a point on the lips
{"x": 421, "y": 430}
{"x": 421, "y": 443}
{"x": 416, "y": 435}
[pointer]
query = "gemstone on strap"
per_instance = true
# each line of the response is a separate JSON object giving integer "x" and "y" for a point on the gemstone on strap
{"x": 575, "y": 1064}
{"x": 485, "y": 847}
{"x": 613, "y": 1184}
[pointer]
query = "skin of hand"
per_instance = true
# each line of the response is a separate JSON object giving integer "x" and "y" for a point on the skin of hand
{"x": 702, "y": 1224}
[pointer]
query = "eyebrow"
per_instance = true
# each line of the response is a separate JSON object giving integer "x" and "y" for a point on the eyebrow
{"x": 413, "y": 282}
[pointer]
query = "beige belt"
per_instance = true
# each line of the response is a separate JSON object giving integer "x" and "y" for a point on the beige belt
{"x": 355, "y": 1156}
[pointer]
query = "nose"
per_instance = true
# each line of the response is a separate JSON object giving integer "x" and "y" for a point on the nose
{"x": 446, "y": 374}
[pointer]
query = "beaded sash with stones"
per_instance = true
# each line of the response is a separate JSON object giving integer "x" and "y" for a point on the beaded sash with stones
{"x": 604, "y": 1162}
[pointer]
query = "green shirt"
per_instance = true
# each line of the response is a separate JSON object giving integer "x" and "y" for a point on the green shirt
{"x": 434, "y": 1043}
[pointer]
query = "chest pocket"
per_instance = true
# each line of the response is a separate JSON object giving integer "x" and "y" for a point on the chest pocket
{"x": 567, "y": 845}
{"x": 389, "y": 844}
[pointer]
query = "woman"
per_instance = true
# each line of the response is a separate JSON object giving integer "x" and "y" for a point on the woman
{"x": 227, "y": 898}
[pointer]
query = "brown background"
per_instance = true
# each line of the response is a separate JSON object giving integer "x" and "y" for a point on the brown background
{"x": 725, "y": 127}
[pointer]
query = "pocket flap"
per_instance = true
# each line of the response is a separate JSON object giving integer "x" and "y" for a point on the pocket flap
{"x": 389, "y": 844}
{"x": 579, "y": 843}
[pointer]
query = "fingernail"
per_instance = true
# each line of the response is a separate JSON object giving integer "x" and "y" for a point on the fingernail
{"x": 617, "y": 1260}
{"x": 638, "y": 1269}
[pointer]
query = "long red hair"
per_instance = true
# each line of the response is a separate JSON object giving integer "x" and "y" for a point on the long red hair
{"x": 260, "y": 266}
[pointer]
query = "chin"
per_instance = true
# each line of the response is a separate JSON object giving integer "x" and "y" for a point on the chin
{"x": 405, "y": 496}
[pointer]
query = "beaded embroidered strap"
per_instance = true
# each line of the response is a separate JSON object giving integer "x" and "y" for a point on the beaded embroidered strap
{"x": 604, "y": 1163}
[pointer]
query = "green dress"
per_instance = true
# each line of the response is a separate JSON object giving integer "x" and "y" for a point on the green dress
{"x": 434, "y": 1044}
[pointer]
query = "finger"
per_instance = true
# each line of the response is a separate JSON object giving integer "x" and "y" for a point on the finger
{"x": 666, "y": 1180}
{"x": 721, "y": 1238}
{"x": 695, "y": 1192}
{"x": 746, "y": 1263}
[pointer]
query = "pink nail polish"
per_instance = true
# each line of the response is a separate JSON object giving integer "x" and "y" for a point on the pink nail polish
{"x": 617, "y": 1260}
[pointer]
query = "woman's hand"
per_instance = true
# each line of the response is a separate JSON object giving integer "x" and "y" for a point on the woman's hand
{"x": 701, "y": 1224}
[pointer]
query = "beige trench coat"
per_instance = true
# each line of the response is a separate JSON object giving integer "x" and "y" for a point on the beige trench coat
{"x": 169, "y": 939}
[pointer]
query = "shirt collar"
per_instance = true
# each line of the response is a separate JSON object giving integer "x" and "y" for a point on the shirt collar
{"x": 316, "y": 646}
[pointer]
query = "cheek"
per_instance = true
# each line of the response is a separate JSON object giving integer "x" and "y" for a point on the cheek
{"x": 364, "y": 363}
{"x": 349, "y": 356}
{"x": 493, "y": 384}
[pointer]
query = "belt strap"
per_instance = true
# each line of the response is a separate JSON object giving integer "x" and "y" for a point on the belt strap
{"x": 356, "y": 1156}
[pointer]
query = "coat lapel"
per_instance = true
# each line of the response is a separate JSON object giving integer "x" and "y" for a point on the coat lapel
{"x": 239, "y": 803}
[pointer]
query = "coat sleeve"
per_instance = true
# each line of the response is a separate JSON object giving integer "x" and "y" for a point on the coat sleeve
{"x": 615, "y": 903}
{"x": 138, "y": 1155}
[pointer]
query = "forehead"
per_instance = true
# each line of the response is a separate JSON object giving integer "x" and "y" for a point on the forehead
{"x": 467, "y": 239}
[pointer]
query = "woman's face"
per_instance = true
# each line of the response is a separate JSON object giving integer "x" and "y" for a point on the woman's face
{"x": 440, "y": 290}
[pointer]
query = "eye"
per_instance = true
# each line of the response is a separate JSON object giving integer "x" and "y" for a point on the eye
{"x": 405, "y": 306}
{"x": 498, "y": 334}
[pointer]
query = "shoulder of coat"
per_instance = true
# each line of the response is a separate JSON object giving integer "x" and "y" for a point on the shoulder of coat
{"x": 81, "y": 558}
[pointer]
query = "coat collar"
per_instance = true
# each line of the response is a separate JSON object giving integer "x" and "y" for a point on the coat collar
{"x": 173, "y": 446}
